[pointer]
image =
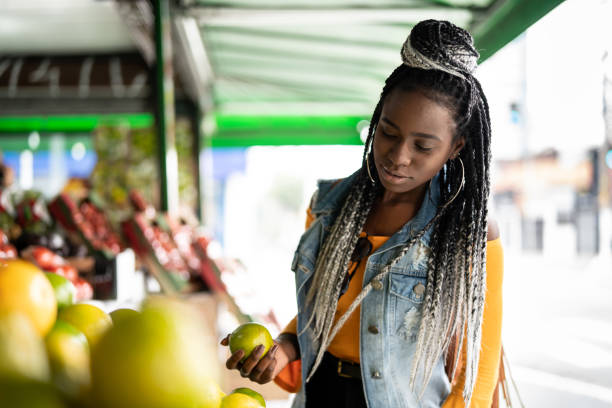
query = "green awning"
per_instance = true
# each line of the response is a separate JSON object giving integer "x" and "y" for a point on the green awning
{"x": 322, "y": 63}
{"x": 72, "y": 123}
{"x": 270, "y": 72}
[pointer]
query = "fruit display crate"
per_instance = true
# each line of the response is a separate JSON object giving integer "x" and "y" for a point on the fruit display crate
{"x": 86, "y": 223}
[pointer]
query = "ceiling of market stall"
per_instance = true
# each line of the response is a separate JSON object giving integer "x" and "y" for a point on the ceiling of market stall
{"x": 271, "y": 71}
{"x": 311, "y": 70}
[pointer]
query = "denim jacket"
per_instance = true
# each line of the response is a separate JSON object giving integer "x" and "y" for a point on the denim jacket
{"x": 393, "y": 306}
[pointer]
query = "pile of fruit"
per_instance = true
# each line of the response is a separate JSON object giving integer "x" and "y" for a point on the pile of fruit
{"x": 49, "y": 261}
{"x": 88, "y": 222}
{"x": 55, "y": 353}
{"x": 171, "y": 249}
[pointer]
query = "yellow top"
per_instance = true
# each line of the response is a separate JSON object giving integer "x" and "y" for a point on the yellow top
{"x": 345, "y": 347}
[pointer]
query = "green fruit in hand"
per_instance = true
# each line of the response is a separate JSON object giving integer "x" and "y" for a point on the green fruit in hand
{"x": 251, "y": 393}
{"x": 65, "y": 292}
{"x": 239, "y": 400}
{"x": 248, "y": 336}
{"x": 120, "y": 315}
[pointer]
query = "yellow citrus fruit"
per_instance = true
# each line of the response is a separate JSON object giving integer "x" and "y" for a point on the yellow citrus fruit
{"x": 22, "y": 350}
{"x": 119, "y": 315}
{"x": 29, "y": 394}
{"x": 64, "y": 290}
{"x": 88, "y": 319}
{"x": 68, "y": 353}
{"x": 24, "y": 289}
{"x": 251, "y": 393}
{"x": 239, "y": 400}
{"x": 162, "y": 357}
{"x": 248, "y": 336}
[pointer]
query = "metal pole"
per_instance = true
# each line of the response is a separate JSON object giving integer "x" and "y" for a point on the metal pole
{"x": 197, "y": 118}
{"x": 164, "y": 104}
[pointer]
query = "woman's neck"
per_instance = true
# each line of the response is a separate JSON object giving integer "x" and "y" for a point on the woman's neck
{"x": 412, "y": 197}
{"x": 392, "y": 210}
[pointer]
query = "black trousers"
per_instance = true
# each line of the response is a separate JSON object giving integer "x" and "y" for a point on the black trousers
{"x": 327, "y": 389}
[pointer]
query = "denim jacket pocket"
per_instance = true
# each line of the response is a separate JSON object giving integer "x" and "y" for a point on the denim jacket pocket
{"x": 303, "y": 266}
{"x": 408, "y": 287}
{"x": 406, "y": 293}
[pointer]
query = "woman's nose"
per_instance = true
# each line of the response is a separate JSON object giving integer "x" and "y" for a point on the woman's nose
{"x": 400, "y": 155}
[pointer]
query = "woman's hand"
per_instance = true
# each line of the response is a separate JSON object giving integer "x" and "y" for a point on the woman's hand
{"x": 263, "y": 370}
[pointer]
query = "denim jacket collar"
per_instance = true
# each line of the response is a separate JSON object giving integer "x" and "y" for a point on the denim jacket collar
{"x": 331, "y": 195}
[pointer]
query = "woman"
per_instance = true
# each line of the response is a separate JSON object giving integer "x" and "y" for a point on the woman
{"x": 392, "y": 269}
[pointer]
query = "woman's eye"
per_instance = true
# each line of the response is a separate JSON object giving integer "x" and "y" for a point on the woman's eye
{"x": 423, "y": 148}
{"x": 388, "y": 135}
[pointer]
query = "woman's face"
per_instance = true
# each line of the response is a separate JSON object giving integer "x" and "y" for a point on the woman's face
{"x": 413, "y": 140}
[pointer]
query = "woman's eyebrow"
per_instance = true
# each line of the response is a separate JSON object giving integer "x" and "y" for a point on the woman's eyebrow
{"x": 426, "y": 136}
{"x": 417, "y": 134}
{"x": 388, "y": 122}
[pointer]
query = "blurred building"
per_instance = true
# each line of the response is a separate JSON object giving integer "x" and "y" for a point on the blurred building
{"x": 548, "y": 93}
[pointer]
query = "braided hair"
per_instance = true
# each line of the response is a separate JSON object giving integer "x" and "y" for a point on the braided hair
{"x": 439, "y": 58}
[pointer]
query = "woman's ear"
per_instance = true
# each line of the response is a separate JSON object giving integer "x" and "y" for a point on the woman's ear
{"x": 457, "y": 146}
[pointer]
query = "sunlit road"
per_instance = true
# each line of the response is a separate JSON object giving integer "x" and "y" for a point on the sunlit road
{"x": 558, "y": 329}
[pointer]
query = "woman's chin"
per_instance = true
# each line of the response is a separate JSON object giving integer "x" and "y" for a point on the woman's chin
{"x": 402, "y": 186}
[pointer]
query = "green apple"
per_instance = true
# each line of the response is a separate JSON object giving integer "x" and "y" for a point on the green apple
{"x": 248, "y": 336}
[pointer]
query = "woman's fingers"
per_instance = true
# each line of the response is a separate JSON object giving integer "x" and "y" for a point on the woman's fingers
{"x": 225, "y": 341}
{"x": 234, "y": 360}
{"x": 251, "y": 361}
{"x": 257, "y": 373}
{"x": 255, "y": 367}
{"x": 268, "y": 373}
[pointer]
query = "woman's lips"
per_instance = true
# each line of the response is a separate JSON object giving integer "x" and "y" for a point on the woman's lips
{"x": 392, "y": 177}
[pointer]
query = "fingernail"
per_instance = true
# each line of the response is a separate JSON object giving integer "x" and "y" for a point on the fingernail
{"x": 274, "y": 348}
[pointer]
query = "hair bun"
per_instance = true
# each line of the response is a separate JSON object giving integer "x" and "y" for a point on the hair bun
{"x": 434, "y": 44}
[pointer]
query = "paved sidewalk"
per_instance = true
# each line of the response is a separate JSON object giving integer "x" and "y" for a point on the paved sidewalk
{"x": 558, "y": 329}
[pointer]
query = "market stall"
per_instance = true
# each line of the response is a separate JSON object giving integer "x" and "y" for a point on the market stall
{"x": 109, "y": 112}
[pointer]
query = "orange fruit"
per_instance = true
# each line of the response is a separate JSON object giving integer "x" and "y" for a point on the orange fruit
{"x": 239, "y": 400}
{"x": 88, "y": 319}
{"x": 64, "y": 290}
{"x": 25, "y": 289}
{"x": 22, "y": 350}
{"x": 162, "y": 357}
{"x": 251, "y": 393}
{"x": 119, "y": 315}
{"x": 248, "y": 336}
{"x": 68, "y": 353}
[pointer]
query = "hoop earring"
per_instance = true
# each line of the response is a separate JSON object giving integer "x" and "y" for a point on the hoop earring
{"x": 460, "y": 186}
{"x": 368, "y": 168}
{"x": 367, "y": 156}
